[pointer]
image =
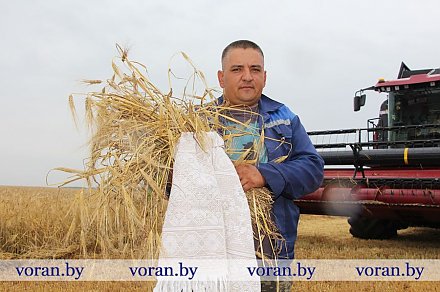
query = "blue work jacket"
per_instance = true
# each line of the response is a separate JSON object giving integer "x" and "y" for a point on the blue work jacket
{"x": 299, "y": 174}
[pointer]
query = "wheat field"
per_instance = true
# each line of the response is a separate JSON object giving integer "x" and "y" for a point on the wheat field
{"x": 34, "y": 221}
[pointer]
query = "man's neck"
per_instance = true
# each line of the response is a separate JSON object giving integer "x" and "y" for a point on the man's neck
{"x": 244, "y": 113}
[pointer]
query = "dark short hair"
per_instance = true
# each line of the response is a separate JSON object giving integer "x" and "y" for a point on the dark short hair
{"x": 241, "y": 44}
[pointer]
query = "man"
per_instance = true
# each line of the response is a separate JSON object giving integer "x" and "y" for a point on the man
{"x": 243, "y": 78}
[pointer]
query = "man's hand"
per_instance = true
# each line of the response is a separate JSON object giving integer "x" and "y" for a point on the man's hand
{"x": 250, "y": 177}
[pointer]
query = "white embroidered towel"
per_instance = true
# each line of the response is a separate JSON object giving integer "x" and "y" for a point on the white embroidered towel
{"x": 207, "y": 221}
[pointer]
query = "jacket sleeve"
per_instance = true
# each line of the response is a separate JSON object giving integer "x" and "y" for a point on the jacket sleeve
{"x": 301, "y": 173}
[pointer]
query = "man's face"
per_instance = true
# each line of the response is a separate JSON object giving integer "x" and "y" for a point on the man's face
{"x": 243, "y": 77}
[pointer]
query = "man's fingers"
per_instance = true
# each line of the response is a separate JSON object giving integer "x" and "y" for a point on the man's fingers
{"x": 248, "y": 175}
{"x": 246, "y": 187}
{"x": 245, "y": 183}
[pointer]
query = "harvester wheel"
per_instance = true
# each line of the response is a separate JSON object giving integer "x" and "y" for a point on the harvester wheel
{"x": 371, "y": 228}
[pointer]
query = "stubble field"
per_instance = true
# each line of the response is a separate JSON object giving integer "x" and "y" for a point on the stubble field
{"x": 34, "y": 221}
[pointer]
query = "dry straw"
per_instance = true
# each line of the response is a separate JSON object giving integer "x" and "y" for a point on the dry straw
{"x": 135, "y": 128}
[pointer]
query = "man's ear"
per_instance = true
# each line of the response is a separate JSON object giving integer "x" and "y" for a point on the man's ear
{"x": 264, "y": 78}
{"x": 220, "y": 76}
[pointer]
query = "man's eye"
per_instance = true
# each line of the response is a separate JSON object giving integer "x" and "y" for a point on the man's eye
{"x": 256, "y": 69}
{"x": 235, "y": 69}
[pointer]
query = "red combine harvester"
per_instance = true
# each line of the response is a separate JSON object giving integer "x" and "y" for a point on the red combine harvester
{"x": 385, "y": 177}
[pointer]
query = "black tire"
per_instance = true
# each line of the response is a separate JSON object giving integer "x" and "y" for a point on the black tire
{"x": 371, "y": 228}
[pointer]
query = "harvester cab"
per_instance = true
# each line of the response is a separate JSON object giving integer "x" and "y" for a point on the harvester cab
{"x": 386, "y": 176}
{"x": 413, "y": 102}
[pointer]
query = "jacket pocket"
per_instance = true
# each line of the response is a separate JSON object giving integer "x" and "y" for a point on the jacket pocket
{"x": 282, "y": 143}
{"x": 283, "y": 131}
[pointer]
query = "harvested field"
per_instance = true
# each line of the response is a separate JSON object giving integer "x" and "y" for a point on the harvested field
{"x": 328, "y": 237}
{"x": 35, "y": 221}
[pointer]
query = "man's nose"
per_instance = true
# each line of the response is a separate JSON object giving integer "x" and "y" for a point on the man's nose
{"x": 247, "y": 76}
